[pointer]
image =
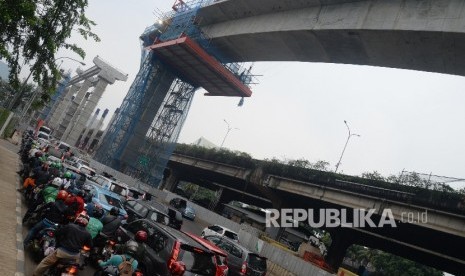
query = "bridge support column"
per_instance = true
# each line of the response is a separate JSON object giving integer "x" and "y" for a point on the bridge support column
{"x": 170, "y": 182}
{"x": 214, "y": 203}
{"x": 341, "y": 240}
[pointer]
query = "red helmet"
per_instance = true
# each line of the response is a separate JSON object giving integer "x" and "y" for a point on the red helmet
{"x": 141, "y": 236}
{"x": 62, "y": 195}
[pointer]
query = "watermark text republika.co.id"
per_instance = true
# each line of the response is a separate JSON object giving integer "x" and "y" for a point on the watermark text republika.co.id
{"x": 354, "y": 218}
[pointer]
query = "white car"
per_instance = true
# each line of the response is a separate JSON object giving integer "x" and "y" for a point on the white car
{"x": 217, "y": 230}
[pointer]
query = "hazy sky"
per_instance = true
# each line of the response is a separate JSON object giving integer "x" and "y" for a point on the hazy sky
{"x": 407, "y": 120}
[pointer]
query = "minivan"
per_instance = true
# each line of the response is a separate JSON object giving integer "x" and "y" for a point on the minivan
{"x": 165, "y": 247}
{"x": 241, "y": 261}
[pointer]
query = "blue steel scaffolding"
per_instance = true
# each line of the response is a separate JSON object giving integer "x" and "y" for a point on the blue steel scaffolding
{"x": 139, "y": 144}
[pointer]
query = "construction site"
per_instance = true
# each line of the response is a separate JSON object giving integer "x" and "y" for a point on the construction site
{"x": 177, "y": 59}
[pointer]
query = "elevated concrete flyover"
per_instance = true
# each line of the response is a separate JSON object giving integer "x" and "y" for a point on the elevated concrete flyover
{"x": 432, "y": 242}
{"x": 424, "y": 35}
{"x": 422, "y": 234}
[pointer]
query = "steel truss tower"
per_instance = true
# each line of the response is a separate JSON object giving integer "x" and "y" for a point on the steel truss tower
{"x": 177, "y": 59}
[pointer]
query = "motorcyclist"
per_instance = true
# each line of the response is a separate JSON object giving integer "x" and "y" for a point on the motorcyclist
{"x": 76, "y": 202}
{"x": 53, "y": 213}
{"x": 110, "y": 267}
{"x": 71, "y": 238}
{"x": 95, "y": 225}
{"x": 111, "y": 222}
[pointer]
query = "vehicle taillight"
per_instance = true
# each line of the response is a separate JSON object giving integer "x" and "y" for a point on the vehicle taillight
{"x": 174, "y": 254}
{"x": 244, "y": 268}
{"x": 71, "y": 270}
{"x": 51, "y": 233}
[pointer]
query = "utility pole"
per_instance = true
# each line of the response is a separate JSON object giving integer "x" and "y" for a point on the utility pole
{"x": 347, "y": 141}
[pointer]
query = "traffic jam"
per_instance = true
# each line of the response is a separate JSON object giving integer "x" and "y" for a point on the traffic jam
{"x": 77, "y": 220}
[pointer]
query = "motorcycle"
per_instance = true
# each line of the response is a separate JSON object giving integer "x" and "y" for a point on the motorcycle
{"x": 64, "y": 267}
{"x": 104, "y": 247}
{"x": 44, "y": 243}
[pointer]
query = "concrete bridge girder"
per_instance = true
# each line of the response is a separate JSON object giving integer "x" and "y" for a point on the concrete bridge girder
{"x": 418, "y": 35}
{"x": 248, "y": 177}
{"x": 436, "y": 220}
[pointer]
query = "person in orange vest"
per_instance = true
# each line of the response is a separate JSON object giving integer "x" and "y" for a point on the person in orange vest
{"x": 28, "y": 183}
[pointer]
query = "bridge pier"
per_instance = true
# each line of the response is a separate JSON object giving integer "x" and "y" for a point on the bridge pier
{"x": 171, "y": 181}
{"x": 340, "y": 242}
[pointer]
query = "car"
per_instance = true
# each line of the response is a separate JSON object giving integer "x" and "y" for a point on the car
{"x": 106, "y": 199}
{"x": 217, "y": 230}
{"x": 166, "y": 247}
{"x": 189, "y": 213}
{"x": 178, "y": 203}
{"x": 241, "y": 261}
{"x": 110, "y": 184}
{"x": 141, "y": 210}
{"x": 135, "y": 193}
{"x": 221, "y": 256}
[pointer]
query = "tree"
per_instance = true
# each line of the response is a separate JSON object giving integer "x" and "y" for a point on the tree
{"x": 32, "y": 31}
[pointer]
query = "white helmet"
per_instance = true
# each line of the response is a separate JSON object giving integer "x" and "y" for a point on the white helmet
{"x": 57, "y": 181}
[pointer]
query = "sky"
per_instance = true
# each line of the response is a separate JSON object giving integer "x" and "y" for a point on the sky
{"x": 407, "y": 120}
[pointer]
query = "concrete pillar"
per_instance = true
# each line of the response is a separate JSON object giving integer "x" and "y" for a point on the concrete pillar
{"x": 90, "y": 124}
{"x": 106, "y": 129}
{"x": 107, "y": 75}
{"x": 340, "y": 242}
{"x": 218, "y": 195}
{"x": 56, "y": 116}
{"x": 70, "y": 116}
{"x": 86, "y": 112}
{"x": 171, "y": 182}
{"x": 97, "y": 127}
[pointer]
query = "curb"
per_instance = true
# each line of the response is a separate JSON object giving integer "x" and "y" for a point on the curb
{"x": 20, "y": 271}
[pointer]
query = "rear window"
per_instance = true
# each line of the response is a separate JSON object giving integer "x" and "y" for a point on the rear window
{"x": 231, "y": 235}
{"x": 160, "y": 218}
{"x": 45, "y": 129}
{"x": 141, "y": 209}
{"x": 43, "y": 136}
{"x": 257, "y": 262}
{"x": 87, "y": 171}
{"x": 198, "y": 262}
{"x": 110, "y": 200}
{"x": 118, "y": 189}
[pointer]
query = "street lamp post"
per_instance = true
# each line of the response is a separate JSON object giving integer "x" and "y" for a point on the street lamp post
{"x": 36, "y": 92}
{"x": 227, "y": 132}
{"x": 347, "y": 141}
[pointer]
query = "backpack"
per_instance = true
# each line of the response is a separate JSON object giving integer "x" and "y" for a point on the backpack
{"x": 125, "y": 268}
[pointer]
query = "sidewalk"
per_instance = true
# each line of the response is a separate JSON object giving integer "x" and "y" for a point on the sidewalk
{"x": 10, "y": 206}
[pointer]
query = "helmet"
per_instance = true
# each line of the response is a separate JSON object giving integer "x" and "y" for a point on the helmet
{"x": 114, "y": 211}
{"x": 81, "y": 194}
{"x": 131, "y": 247}
{"x": 141, "y": 236}
{"x": 62, "y": 195}
{"x": 67, "y": 175}
{"x": 97, "y": 212}
{"x": 57, "y": 182}
{"x": 82, "y": 219}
